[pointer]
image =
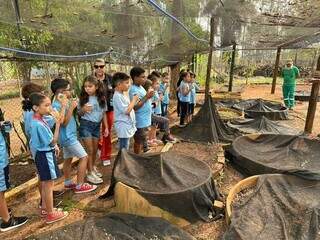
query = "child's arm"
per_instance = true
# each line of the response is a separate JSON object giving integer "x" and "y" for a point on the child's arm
{"x": 143, "y": 100}
{"x": 69, "y": 114}
{"x": 186, "y": 90}
{"x": 105, "y": 123}
{"x": 56, "y": 115}
{"x": 132, "y": 104}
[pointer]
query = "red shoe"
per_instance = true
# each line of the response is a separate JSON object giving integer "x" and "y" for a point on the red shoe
{"x": 85, "y": 188}
{"x": 43, "y": 212}
{"x": 56, "y": 216}
{"x": 70, "y": 186}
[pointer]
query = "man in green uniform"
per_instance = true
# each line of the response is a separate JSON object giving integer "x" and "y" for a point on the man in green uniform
{"x": 289, "y": 74}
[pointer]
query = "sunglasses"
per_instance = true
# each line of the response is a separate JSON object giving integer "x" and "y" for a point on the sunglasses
{"x": 99, "y": 66}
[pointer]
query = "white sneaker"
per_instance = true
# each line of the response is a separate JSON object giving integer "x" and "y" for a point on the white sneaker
{"x": 106, "y": 163}
{"x": 96, "y": 172}
{"x": 94, "y": 179}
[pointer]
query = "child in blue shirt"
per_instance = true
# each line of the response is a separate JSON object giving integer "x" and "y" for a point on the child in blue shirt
{"x": 184, "y": 97}
{"x": 164, "y": 90}
{"x": 193, "y": 96}
{"x": 28, "y": 113}
{"x": 44, "y": 149}
{"x": 9, "y": 222}
{"x": 125, "y": 121}
{"x": 142, "y": 108}
{"x": 68, "y": 138}
{"x": 91, "y": 109}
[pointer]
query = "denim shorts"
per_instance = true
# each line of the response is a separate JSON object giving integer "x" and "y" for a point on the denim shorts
{"x": 4, "y": 179}
{"x": 89, "y": 129}
{"x": 74, "y": 150}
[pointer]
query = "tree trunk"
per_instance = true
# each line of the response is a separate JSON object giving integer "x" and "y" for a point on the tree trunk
{"x": 209, "y": 65}
{"x": 318, "y": 64}
{"x": 175, "y": 71}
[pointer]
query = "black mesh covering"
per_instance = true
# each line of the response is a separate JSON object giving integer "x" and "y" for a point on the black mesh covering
{"x": 178, "y": 184}
{"x": 280, "y": 207}
{"x": 206, "y": 126}
{"x": 255, "y": 108}
{"x": 117, "y": 227}
{"x": 270, "y": 153}
{"x": 262, "y": 125}
{"x": 303, "y": 96}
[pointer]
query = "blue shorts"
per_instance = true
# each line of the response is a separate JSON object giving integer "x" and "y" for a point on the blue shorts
{"x": 47, "y": 166}
{"x": 74, "y": 150}
{"x": 89, "y": 129}
{"x": 4, "y": 179}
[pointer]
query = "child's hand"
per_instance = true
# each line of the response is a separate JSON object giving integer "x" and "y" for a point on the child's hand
{"x": 87, "y": 108}
{"x": 56, "y": 116}
{"x": 150, "y": 93}
{"x": 74, "y": 103}
{"x": 63, "y": 99}
{"x": 135, "y": 98}
{"x": 106, "y": 132}
{"x": 56, "y": 150}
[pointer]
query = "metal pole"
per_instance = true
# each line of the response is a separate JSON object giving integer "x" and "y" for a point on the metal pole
{"x": 233, "y": 59}
{"x": 207, "y": 86}
{"x": 275, "y": 71}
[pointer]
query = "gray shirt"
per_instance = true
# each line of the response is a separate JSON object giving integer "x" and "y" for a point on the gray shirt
{"x": 124, "y": 124}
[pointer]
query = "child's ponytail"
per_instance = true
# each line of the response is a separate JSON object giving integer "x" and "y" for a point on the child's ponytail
{"x": 26, "y": 105}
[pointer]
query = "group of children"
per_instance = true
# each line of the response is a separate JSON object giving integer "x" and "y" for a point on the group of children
{"x": 51, "y": 125}
{"x": 186, "y": 93}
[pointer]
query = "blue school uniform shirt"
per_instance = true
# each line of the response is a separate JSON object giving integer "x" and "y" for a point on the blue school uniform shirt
{"x": 143, "y": 114}
{"x": 27, "y": 118}
{"x": 165, "y": 93}
{"x": 3, "y": 152}
{"x": 156, "y": 100}
{"x": 124, "y": 124}
{"x": 97, "y": 112}
{"x": 41, "y": 136}
{"x": 182, "y": 97}
{"x": 193, "y": 95}
{"x": 68, "y": 133}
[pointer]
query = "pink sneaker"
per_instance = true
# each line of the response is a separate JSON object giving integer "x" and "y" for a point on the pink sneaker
{"x": 85, "y": 188}
{"x": 43, "y": 212}
{"x": 55, "y": 216}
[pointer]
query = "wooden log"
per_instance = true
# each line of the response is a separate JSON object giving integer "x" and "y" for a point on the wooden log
{"x": 275, "y": 71}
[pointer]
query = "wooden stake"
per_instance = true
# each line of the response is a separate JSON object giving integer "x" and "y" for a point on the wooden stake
{"x": 313, "y": 100}
{"x": 209, "y": 58}
{"x": 233, "y": 59}
{"x": 275, "y": 71}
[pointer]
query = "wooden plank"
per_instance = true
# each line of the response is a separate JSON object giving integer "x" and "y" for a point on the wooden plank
{"x": 128, "y": 200}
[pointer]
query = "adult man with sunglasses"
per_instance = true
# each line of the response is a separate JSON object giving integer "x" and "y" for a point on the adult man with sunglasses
{"x": 105, "y": 144}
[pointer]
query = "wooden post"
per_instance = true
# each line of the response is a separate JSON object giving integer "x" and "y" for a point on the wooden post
{"x": 275, "y": 71}
{"x": 207, "y": 86}
{"x": 313, "y": 100}
{"x": 233, "y": 59}
{"x": 174, "y": 75}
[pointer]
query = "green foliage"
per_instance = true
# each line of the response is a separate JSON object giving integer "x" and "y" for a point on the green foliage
{"x": 10, "y": 94}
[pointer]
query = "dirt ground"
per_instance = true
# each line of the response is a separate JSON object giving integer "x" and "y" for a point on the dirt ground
{"x": 82, "y": 206}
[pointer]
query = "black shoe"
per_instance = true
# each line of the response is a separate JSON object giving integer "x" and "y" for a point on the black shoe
{"x": 14, "y": 222}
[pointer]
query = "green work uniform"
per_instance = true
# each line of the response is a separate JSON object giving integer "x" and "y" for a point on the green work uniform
{"x": 289, "y": 85}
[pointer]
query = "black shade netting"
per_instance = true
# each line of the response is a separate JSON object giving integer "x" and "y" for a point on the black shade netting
{"x": 303, "y": 96}
{"x": 262, "y": 125}
{"x": 176, "y": 183}
{"x": 271, "y": 153}
{"x": 255, "y": 108}
{"x": 117, "y": 227}
{"x": 206, "y": 126}
{"x": 281, "y": 207}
